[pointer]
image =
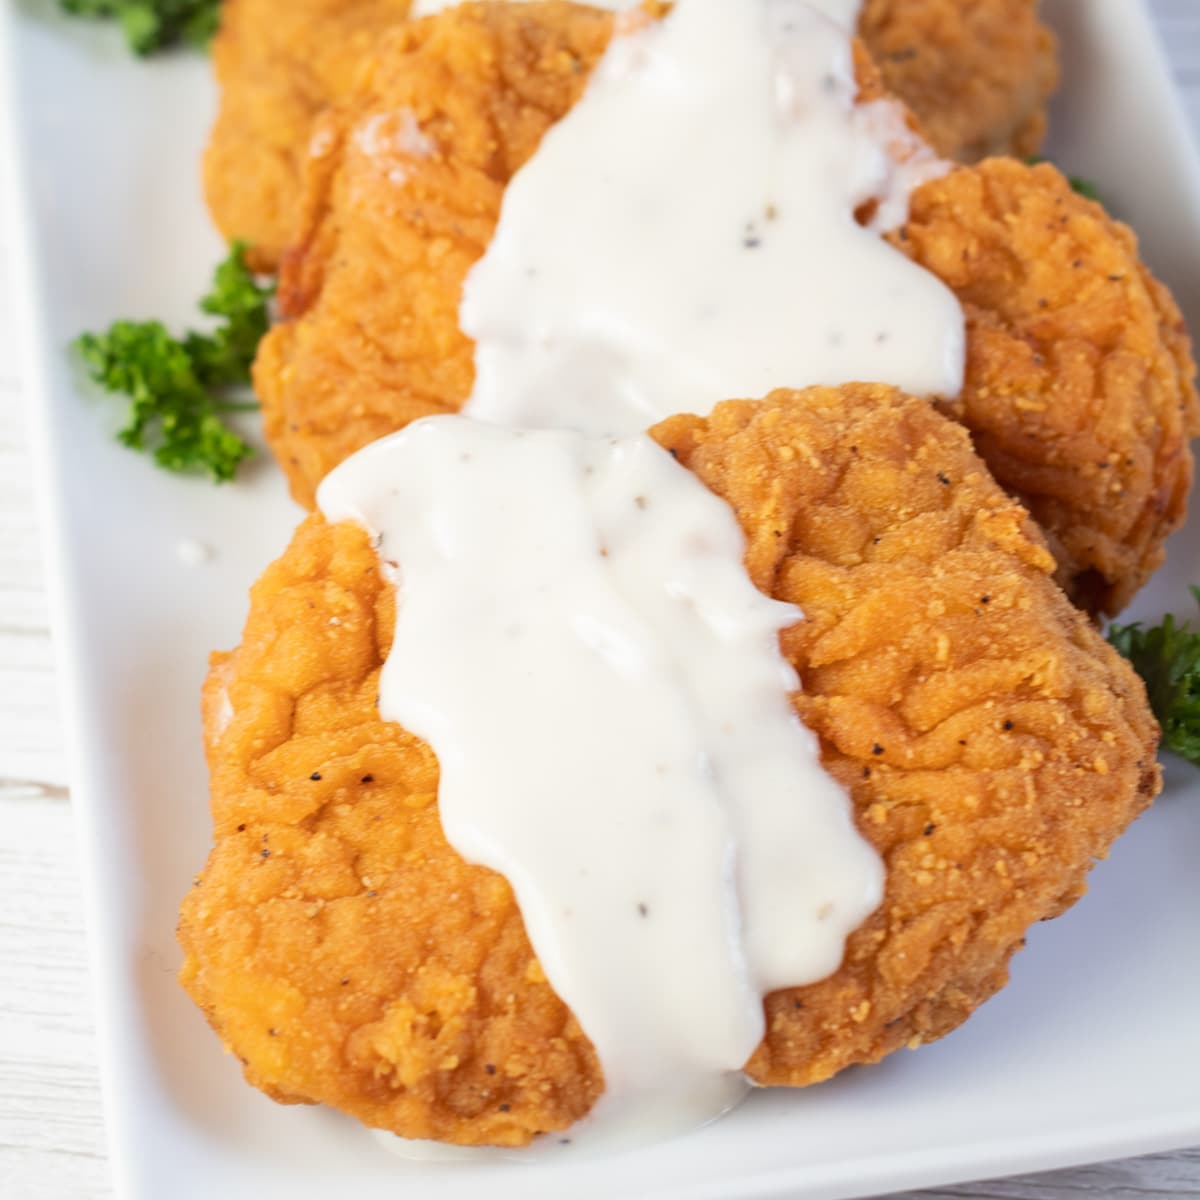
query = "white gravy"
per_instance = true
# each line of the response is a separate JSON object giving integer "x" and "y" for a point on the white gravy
{"x": 578, "y": 641}
{"x": 576, "y": 636}
{"x": 686, "y": 234}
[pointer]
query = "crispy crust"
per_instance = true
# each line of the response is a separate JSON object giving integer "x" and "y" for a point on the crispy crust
{"x": 977, "y": 73}
{"x": 277, "y": 66}
{"x": 1079, "y": 387}
{"x": 1079, "y": 382}
{"x": 371, "y": 290}
{"x": 992, "y": 743}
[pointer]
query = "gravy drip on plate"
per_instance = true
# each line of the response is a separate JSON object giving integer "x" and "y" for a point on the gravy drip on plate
{"x": 578, "y": 640}
{"x": 687, "y": 234}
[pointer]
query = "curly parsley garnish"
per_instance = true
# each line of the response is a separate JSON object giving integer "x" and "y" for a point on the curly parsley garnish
{"x": 179, "y": 388}
{"x": 1167, "y": 657}
{"x": 151, "y": 25}
{"x": 1085, "y": 187}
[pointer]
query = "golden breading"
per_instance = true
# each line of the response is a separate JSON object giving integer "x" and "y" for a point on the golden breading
{"x": 1079, "y": 386}
{"x": 992, "y": 743}
{"x": 1079, "y": 381}
{"x": 976, "y": 72}
{"x": 278, "y": 65}
{"x": 370, "y": 294}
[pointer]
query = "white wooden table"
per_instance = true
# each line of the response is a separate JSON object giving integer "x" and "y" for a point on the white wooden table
{"x": 51, "y": 1127}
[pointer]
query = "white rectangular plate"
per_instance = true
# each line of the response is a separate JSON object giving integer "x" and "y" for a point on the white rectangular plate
{"x": 1092, "y": 1052}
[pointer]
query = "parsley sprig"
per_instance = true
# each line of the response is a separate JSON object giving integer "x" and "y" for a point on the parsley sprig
{"x": 1167, "y": 657}
{"x": 1085, "y": 187}
{"x": 181, "y": 390}
{"x": 151, "y": 25}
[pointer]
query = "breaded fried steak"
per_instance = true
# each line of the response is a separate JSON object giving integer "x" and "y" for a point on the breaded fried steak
{"x": 278, "y": 66}
{"x": 992, "y": 744}
{"x": 976, "y": 72}
{"x": 1079, "y": 380}
{"x": 1079, "y": 390}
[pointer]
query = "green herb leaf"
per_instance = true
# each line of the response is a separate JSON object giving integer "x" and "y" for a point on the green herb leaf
{"x": 224, "y": 357}
{"x": 151, "y": 25}
{"x": 1085, "y": 187}
{"x": 178, "y": 387}
{"x": 1167, "y": 657}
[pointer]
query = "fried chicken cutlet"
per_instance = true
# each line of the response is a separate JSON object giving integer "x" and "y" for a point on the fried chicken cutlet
{"x": 976, "y": 72}
{"x": 278, "y": 65}
{"x": 1079, "y": 380}
{"x": 992, "y": 743}
{"x": 1080, "y": 383}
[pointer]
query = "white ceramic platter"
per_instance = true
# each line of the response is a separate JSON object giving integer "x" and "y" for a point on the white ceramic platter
{"x": 1092, "y": 1052}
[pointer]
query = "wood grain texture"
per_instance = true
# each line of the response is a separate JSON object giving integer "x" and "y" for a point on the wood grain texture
{"x": 51, "y": 1129}
{"x": 51, "y": 1132}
